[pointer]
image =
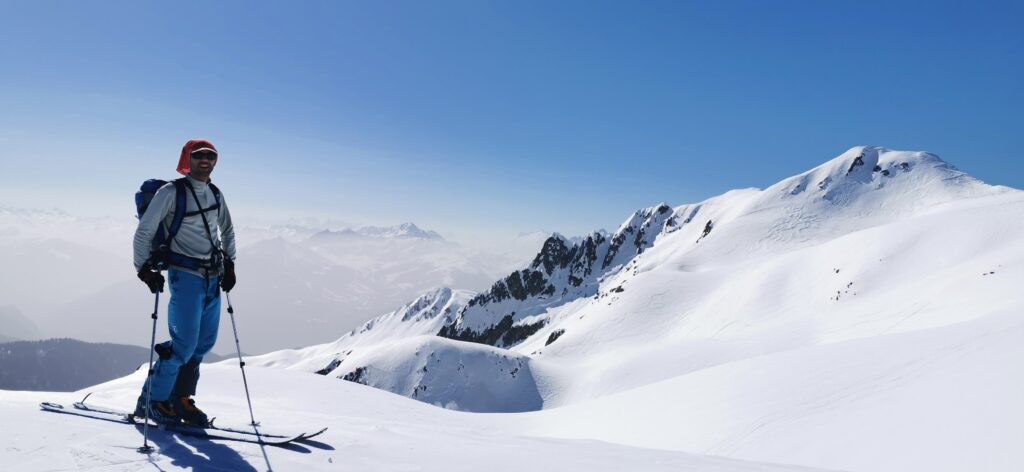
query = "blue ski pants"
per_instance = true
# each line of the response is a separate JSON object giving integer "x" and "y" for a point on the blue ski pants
{"x": 193, "y": 316}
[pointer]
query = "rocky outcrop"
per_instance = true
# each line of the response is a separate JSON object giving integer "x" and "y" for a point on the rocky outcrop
{"x": 563, "y": 271}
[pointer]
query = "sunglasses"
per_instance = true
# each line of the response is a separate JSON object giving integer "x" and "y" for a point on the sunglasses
{"x": 205, "y": 155}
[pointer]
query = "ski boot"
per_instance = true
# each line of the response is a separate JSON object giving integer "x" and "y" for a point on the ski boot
{"x": 185, "y": 407}
{"x": 160, "y": 412}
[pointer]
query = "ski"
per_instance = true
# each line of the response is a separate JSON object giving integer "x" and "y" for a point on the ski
{"x": 82, "y": 405}
{"x": 180, "y": 429}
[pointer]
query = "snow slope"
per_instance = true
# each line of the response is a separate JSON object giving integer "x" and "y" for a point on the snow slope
{"x": 397, "y": 352}
{"x": 855, "y": 316}
{"x": 369, "y": 430}
{"x": 936, "y": 399}
{"x": 425, "y": 315}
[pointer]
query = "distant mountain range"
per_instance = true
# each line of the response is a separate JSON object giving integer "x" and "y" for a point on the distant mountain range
{"x": 404, "y": 230}
{"x": 14, "y": 326}
{"x": 297, "y": 284}
{"x": 67, "y": 365}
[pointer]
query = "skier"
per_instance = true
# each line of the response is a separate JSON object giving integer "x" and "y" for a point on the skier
{"x": 200, "y": 262}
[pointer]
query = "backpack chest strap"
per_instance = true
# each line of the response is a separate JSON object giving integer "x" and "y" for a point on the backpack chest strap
{"x": 213, "y": 207}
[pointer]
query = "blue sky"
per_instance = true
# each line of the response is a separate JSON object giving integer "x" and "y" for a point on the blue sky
{"x": 475, "y": 118}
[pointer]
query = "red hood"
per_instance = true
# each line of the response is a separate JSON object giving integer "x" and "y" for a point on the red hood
{"x": 183, "y": 163}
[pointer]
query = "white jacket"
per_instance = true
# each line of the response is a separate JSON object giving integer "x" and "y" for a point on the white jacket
{"x": 191, "y": 239}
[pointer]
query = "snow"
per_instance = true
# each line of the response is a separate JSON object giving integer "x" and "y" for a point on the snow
{"x": 449, "y": 374}
{"x": 369, "y": 430}
{"x": 936, "y": 399}
{"x": 860, "y": 324}
{"x": 864, "y": 315}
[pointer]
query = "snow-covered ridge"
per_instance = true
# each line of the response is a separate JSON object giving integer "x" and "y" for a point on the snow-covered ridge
{"x": 840, "y": 252}
{"x": 398, "y": 352}
{"x": 425, "y": 315}
{"x": 863, "y": 187}
{"x": 563, "y": 271}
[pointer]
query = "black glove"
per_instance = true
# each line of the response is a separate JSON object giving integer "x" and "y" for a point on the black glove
{"x": 153, "y": 279}
{"x": 227, "y": 281}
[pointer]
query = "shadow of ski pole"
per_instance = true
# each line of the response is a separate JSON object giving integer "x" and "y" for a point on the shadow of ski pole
{"x": 263, "y": 448}
{"x": 209, "y": 455}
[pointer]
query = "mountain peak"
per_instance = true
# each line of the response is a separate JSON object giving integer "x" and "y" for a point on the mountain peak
{"x": 404, "y": 230}
{"x": 862, "y": 187}
{"x": 858, "y": 175}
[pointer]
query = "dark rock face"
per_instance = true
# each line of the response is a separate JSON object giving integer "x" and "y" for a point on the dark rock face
{"x": 644, "y": 223}
{"x": 707, "y": 230}
{"x": 502, "y": 334}
{"x": 357, "y": 376}
{"x": 859, "y": 161}
{"x": 554, "y": 336}
{"x": 330, "y": 367}
{"x": 520, "y": 285}
{"x": 570, "y": 270}
{"x": 554, "y": 254}
{"x": 587, "y": 255}
{"x": 639, "y": 242}
{"x": 616, "y": 244}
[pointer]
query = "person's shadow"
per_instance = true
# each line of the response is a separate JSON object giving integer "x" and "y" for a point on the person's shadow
{"x": 209, "y": 455}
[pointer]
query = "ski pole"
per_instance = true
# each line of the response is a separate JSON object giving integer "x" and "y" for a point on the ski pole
{"x": 241, "y": 363}
{"x": 146, "y": 448}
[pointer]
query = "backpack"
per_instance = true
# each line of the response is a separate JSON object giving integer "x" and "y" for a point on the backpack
{"x": 161, "y": 256}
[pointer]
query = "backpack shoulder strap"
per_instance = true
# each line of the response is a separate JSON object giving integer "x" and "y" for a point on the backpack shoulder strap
{"x": 206, "y": 224}
{"x": 201, "y": 210}
{"x": 179, "y": 209}
{"x": 216, "y": 196}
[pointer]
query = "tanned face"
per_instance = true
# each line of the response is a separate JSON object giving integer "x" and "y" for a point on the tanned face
{"x": 202, "y": 164}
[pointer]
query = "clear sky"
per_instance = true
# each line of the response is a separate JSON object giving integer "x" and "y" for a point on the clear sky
{"x": 477, "y": 117}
